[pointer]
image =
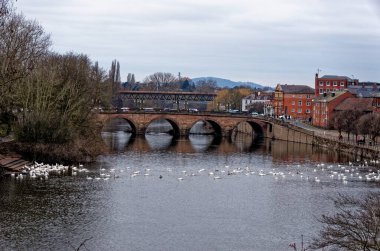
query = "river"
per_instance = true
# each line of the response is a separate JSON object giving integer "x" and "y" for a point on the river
{"x": 156, "y": 193}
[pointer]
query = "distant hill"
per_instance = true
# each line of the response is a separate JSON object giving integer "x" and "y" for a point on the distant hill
{"x": 229, "y": 83}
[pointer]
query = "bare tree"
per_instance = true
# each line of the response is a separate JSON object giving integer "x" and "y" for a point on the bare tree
{"x": 5, "y": 7}
{"x": 57, "y": 100}
{"x": 256, "y": 107}
{"x": 365, "y": 123}
{"x": 161, "y": 81}
{"x": 355, "y": 226}
{"x": 370, "y": 124}
{"x": 336, "y": 122}
{"x": 349, "y": 120}
{"x": 115, "y": 84}
{"x": 23, "y": 44}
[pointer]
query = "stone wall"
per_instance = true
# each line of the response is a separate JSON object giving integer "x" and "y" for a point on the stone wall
{"x": 356, "y": 150}
{"x": 291, "y": 133}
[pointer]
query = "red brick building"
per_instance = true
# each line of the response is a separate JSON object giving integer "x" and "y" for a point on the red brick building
{"x": 360, "y": 104}
{"x": 376, "y": 103}
{"x": 294, "y": 101}
{"x": 324, "y": 105}
{"x": 332, "y": 83}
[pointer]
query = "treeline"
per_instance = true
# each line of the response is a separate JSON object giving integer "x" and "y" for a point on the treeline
{"x": 165, "y": 81}
{"x": 355, "y": 122}
{"x": 46, "y": 97}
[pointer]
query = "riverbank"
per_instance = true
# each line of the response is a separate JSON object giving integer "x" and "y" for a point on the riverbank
{"x": 80, "y": 151}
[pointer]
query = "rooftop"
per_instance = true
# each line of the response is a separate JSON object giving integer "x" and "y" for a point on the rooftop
{"x": 260, "y": 96}
{"x": 364, "y": 91}
{"x": 360, "y": 104}
{"x": 329, "y": 96}
{"x": 302, "y": 89}
{"x": 336, "y": 77}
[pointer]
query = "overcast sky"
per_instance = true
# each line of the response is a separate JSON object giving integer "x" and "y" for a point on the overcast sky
{"x": 263, "y": 41}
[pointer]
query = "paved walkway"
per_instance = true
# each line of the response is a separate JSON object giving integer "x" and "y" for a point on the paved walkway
{"x": 11, "y": 162}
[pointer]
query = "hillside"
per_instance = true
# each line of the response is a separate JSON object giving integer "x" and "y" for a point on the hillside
{"x": 229, "y": 83}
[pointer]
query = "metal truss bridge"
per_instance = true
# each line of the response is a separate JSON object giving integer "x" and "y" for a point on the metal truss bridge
{"x": 176, "y": 97}
{"x": 173, "y": 96}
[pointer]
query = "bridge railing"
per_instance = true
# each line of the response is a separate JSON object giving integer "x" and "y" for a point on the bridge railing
{"x": 181, "y": 112}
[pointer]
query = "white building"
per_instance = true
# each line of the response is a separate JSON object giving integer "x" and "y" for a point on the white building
{"x": 256, "y": 97}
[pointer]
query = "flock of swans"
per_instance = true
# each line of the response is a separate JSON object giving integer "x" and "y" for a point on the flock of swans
{"x": 360, "y": 171}
{"x": 42, "y": 171}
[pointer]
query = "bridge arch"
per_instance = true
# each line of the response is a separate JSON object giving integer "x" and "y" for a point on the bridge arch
{"x": 249, "y": 127}
{"x": 215, "y": 126}
{"x": 257, "y": 128}
{"x": 176, "y": 132}
{"x": 131, "y": 123}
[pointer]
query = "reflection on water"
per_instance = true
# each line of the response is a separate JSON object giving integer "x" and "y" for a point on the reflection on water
{"x": 242, "y": 141}
{"x": 159, "y": 141}
{"x": 159, "y": 126}
{"x": 201, "y": 143}
{"x": 120, "y": 141}
{"x": 202, "y": 127}
{"x": 282, "y": 151}
{"x": 117, "y": 124}
{"x": 117, "y": 140}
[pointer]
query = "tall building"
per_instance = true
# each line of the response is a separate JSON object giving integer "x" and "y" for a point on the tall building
{"x": 294, "y": 101}
{"x": 332, "y": 83}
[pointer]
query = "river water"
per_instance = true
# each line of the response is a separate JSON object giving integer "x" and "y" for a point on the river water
{"x": 156, "y": 193}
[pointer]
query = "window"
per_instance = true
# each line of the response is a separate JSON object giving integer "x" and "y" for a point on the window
{"x": 327, "y": 83}
{"x": 299, "y": 103}
{"x": 308, "y": 96}
{"x": 341, "y": 83}
{"x": 327, "y": 90}
{"x": 308, "y": 103}
{"x": 335, "y": 83}
{"x": 320, "y": 91}
{"x": 293, "y": 96}
{"x": 307, "y": 110}
{"x": 299, "y": 96}
{"x": 293, "y": 102}
{"x": 293, "y": 110}
{"x": 299, "y": 110}
{"x": 320, "y": 83}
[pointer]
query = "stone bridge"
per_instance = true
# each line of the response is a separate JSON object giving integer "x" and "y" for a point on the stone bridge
{"x": 222, "y": 123}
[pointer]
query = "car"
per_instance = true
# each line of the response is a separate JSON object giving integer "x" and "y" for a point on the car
{"x": 254, "y": 114}
{"x": 193, "y": 110}
{"x": 148, "y": 109}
